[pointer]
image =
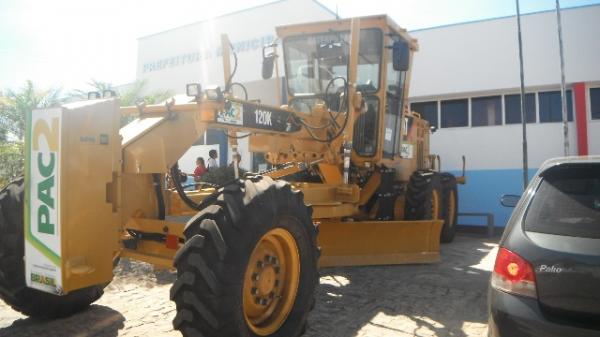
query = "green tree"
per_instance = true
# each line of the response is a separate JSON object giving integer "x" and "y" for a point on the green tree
{"x": 16, "y": 105}
{"x": 133, "y": 94}
{"x": 99, "y": 86}
{"x": 14, "y": 108}
{"x": 129, "y": 95}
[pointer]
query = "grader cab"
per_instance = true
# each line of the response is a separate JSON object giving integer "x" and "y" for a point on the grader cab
{"x": 353, "y": 183}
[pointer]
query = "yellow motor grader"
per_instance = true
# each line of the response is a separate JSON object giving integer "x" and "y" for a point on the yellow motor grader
{"x": 352, "y": 183}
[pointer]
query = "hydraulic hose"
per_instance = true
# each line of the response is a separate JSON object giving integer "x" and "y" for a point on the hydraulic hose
{"x": 160, "y": 200}
{"x": 191, "y": 203}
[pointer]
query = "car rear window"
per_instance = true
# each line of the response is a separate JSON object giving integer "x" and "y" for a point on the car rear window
{"x": 567, "y": 202}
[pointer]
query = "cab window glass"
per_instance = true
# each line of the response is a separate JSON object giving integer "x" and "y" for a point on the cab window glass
{"x": 365, "y": 129}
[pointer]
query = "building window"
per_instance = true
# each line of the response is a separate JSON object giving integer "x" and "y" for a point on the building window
{"x": 428, "y": 111}
{"x": 455, "y": 113}
{"x": 512, "y": 108}
{"x": 486, "y": 111}
{"x": 551, "y": 106}
{"x": 595, "y": 102}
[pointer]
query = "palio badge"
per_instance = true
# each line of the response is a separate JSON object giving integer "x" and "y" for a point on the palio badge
{"x": 233, "y": 115}
{"x": 42, "y": 215}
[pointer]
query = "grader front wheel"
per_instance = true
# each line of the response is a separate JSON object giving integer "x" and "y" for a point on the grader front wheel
{"x": 249, "y": 264}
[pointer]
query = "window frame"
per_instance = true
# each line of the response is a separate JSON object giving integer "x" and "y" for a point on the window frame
{"x": 567, "y": 91}
{"x": 589, "y": 99}
{"x": 468, "y": 99}
{"x": 500, "y": 96}
{"x": 437, "y": 110}
{"x": 535, "y": 107}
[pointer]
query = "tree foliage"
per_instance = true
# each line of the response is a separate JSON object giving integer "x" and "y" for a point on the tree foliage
{"x": 129, "y": 95}
{"x": 14, "y": 108}
{"x": 16, "y": 105}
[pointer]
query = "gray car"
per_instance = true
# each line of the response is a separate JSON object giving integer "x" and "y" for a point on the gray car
{"x": 546, "y": 279}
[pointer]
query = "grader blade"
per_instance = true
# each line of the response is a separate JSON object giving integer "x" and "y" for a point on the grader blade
{"x": 379, "y": 242}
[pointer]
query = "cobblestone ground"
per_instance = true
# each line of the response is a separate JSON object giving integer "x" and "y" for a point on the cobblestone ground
{"x": 444, "y": 299}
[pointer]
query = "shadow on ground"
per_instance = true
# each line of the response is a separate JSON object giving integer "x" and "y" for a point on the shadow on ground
{"x": 101, "y": 321}
{"x": 444, "y": 299}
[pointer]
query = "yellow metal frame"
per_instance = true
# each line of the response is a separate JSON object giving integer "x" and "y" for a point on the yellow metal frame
{"x": 162, "y": 133}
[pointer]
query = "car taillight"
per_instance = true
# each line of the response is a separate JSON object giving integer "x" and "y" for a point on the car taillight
{"x": 513, "y": 274}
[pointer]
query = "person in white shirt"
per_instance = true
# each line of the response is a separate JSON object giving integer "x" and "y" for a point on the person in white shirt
{"x": 212, "y": 161}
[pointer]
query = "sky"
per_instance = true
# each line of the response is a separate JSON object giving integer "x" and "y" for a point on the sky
{"x": 65, "y": 43}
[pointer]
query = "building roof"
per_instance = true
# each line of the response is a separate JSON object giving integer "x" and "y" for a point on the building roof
{"x": 502, "y": 17}
{"x": 327, "y": 9}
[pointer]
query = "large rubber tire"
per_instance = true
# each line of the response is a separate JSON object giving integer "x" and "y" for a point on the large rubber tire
{"x": 424, "y": 196}
{"x": 449, "y": 207}
{"x": 13, "y": 289}
{"x": 212, "y": 264}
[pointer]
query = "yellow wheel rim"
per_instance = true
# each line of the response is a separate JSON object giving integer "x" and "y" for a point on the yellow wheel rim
{"x": 451, "y": 208}
{"x": 435, "y": 205}
{"x": 271, "y": 282}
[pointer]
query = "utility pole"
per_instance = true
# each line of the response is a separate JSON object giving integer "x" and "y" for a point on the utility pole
{"x": 563, "y": 96}
{"x": 523, "y": 114}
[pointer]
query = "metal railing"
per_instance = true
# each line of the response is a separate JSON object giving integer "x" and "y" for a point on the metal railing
{"x": 489, "y": 220}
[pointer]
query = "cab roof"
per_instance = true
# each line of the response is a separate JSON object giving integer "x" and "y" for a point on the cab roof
{"x": 384, "y": 22}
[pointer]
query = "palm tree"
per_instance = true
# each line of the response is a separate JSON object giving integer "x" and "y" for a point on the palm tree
{"x": 134, "y": 93}
{"x": 99, "y": 86}
{"x": 14, "y": 108}
{"x": 128, "y": 95}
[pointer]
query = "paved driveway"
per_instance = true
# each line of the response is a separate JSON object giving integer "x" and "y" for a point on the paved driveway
{"x": 444, "y": 299}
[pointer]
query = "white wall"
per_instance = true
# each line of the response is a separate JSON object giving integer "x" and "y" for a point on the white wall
{"x": 499, "y": 147}
{"x": 170, "y": 59}
{"x": 482, "y": 56}
{"x": 188, "y": 54}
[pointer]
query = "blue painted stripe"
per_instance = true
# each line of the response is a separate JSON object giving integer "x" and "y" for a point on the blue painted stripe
{"x": 482, "y": 192}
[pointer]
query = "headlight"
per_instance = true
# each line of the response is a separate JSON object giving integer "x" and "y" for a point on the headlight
{"x": 214, "y": 93}
{"x": 108, "y": 94}
{"x": 193, "y": 90}
{"x": 93, "y": 95}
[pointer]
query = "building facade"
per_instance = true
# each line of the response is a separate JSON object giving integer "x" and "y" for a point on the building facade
{"x": 465, "y": 81}
{"x": 192, "y": 54}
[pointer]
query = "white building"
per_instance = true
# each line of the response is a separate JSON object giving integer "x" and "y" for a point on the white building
{"x": 192, "y": 54}
{"x": 464, "y": 80}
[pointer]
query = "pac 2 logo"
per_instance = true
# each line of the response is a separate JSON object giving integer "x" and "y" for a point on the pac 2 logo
{"x": 45, "y": 139}
{"x": 43, "y": 204}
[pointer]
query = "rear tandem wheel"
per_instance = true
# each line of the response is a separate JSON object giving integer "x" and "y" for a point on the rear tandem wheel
{"x": 433, "y": 195}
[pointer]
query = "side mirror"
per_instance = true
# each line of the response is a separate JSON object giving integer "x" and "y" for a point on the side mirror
{"x": 400, "y": 55}
{"x": 268, "y": 62}
{"x": 509, "y": 200}
{"x": 267, "y": 67}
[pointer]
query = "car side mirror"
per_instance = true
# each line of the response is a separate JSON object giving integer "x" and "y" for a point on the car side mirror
{"x": 400, "y": 55}
{"x": 509, "y": 200}
{"x": 268, "y": 62}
